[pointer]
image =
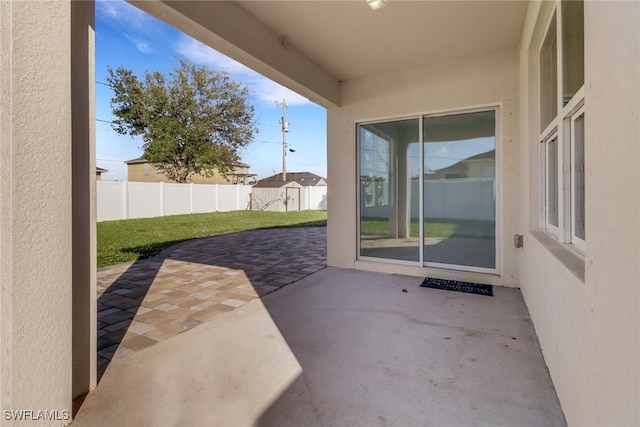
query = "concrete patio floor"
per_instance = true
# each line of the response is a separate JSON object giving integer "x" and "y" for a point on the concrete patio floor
{"x": 340, "y": 347}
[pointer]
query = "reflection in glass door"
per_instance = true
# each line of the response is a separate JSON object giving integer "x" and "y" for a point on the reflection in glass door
{"x": 427, "y": 190}
{"x": 389, "y": 196}
{"x": 459, "y": 190}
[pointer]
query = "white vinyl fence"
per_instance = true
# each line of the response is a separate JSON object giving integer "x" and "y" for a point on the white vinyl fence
{"x": 471, "y": 198}
{"x": 125, "y": 200}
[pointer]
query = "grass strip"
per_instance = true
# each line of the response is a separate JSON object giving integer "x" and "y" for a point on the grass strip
{"x": 132, "y": 239}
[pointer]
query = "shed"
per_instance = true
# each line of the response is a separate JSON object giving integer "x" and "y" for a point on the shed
{"x": 276, "y": 196}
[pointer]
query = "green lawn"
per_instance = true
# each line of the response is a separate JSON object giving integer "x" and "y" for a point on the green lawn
{"x": 439, "y": 228}
{"x": 131, "y": 239}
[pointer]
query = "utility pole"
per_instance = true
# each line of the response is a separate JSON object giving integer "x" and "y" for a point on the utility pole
{"x": 285, "y": 129}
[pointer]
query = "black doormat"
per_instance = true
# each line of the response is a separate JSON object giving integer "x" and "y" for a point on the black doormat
{"x": 454, "y": 285}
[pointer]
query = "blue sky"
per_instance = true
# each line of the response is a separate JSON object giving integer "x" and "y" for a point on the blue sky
{"x": 127, "y": 37}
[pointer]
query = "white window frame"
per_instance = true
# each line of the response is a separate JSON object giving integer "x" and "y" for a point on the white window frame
{"x": 575, "y": 240}
{"x": 553, "y": 229}
{"x": 562, "y": 128}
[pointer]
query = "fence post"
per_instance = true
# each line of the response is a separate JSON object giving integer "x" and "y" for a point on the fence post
{"x": 125, "y": 201}
{"x": 162, "y": 199}
{"x": 237, "y": 198}
{"x": 191, "y": 197}
{"x": 215, "y": 208}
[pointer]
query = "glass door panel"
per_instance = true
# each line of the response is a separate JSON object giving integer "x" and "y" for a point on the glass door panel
{"x": 459, "y": 190}
{"x": 389, "y": 190}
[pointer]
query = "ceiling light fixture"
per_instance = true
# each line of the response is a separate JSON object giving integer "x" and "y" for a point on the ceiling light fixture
{"x": 377, "y": 4}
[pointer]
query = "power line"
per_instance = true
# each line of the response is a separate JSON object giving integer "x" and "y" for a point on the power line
{"x": 265, "y": 124}
{"x": 110, "y": 160}
{"x": 261, "y": 143}
{"x": 106, "y": 121}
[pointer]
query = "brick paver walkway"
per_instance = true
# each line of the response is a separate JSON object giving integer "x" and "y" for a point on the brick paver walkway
{"x": 142, "y": 303}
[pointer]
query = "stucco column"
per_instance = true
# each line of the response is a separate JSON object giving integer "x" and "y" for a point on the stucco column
{"x": 37, "y": 195}
{"x": 83, "y": 195}
{"x": 341, "y": 169}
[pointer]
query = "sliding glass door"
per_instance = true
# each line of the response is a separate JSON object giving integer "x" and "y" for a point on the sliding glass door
{"x": 459, "y": 190}
{"x": 427, "y": 190}
{"x": 389, "y": 203}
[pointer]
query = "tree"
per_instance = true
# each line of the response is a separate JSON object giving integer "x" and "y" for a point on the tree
{"x": 192, "y": 122}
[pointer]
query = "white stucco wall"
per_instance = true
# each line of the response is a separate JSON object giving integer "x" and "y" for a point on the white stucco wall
{"x": 36, "y": 209}
{"x": 590, "y": 331}
{"x": 488, "y": 80}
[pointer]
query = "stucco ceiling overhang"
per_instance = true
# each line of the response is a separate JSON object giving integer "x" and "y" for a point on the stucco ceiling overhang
{"x": 350, "y": 40}
{"x": 311, "y": 46}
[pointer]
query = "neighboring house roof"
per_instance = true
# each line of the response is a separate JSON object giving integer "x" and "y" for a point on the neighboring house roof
{"x": 302, "y": 178}
{"x": 276, "y": 184}
{"x": 143, "y": 160}
{"x": 441, "y": 173}
{"x": 243, "y": 175}
{"x": 134, "y": 161}
{"x": 101, "y": 170}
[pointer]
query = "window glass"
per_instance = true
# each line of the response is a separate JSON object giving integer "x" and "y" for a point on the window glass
{"x": 572, "y": 48}
{"x": 375, "y": 151}
{"x": 389, "y": 195}
{"x": 549, "y": 77}
{"x": 552, "y": 181}
{"x": 459, "y": 189}
{"x": 578, "y": 177}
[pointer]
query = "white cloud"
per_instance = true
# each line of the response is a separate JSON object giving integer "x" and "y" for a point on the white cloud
{"x": 202, "y": 54}
{"x": 261, "y": 87}
{"x": 107, "y": 8}
{"x": 122, "y": 13}
{"x": 270, "y": 91}
{"x": 442, "y": 151}
{"x": 140, "y": 44}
